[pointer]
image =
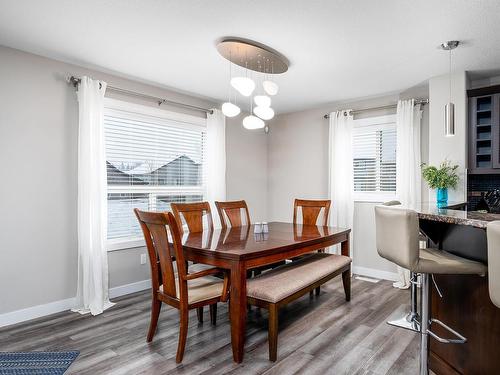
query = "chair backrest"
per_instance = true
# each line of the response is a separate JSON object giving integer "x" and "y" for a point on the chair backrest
{"x": 311, "y": 210}
{"x": 493, "y": 238}
{"x": 192, "y": 214}
{"x": 232, "y": 211}
{"x": 397, "y": 235}
{"x": 162, "y": 252}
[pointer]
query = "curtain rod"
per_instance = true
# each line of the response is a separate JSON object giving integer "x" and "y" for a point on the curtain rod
{"x": 417, "y": 101}
{"x": 76, "y": 80}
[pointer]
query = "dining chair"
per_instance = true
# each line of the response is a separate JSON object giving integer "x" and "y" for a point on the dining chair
{"x": 231, "y": 213}
{"x": 183, "y": 291}
{"x": 311, "y": 210}
{"x": 236, "y": 214}
{"x": 192, "y": 215}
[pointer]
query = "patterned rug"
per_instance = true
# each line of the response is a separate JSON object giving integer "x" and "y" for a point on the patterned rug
{"x": 36, "y": 363}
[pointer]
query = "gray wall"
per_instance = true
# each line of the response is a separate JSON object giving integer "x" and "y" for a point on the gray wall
{"x": 246, "y": 167}
{"x": 38, "y": 193}
{"x": 298, "y": 167}
{"x": 452, "y": 148}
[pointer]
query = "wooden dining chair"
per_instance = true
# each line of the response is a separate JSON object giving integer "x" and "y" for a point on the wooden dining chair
{"x": 192, "y": 215}
{"x": 311, "y": 209}
{"x": 231, "y": 213}
{"x": 184, "y": 291}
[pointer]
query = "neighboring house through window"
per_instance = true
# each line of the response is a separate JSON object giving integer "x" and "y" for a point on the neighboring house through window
{"x": 153, "y": 158}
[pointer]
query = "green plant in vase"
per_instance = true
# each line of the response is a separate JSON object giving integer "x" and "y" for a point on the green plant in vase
{"x": 441, "y": 178}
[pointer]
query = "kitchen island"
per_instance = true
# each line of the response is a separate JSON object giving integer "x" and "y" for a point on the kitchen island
{"x": 465, "y": 305}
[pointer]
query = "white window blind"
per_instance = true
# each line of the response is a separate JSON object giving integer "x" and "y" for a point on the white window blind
{"x": 152, "y": 161}
{"x": 374, "y": 156}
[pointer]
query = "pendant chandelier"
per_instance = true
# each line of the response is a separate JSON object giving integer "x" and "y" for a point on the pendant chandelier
{"x": 449, "y": 108}
{"x": 258, "y": 63}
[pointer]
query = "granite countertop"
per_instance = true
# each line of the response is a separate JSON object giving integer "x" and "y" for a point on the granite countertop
{"x": 453, "y": 214}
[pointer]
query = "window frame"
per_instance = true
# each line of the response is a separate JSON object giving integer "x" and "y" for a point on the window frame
{"x": 374, "y": 123}
{"x": 155, "y": 116}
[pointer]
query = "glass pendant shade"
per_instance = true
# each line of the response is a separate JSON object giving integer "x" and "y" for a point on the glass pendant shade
{"x": 265, "y": 113}
{"x": 230, "y": 110}
{"x": 262, "y": 100}
{"x": 270, "y": 87}
{"x": 243, "y": 85}
{"x": 449, "y": 119}
{"x": 251, "y": 122}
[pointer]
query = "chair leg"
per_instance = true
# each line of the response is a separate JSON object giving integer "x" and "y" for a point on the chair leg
{"x": 155, "y": 313}
{"x": 199, "y": 312}
{"x": 183, "y": 330}
{"x": 213, "y": 313}
{"x": 318, "y": 290}
{"x": 346, "y": 280}
{"x": 273, "y": 332}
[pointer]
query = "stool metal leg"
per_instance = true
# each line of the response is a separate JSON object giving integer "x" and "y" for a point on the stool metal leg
{"x": 424, "y": 325}
{"x": 410, "y": 320}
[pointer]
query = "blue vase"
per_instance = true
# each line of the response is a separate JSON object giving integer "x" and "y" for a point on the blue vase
{"x": 442, "y": 197}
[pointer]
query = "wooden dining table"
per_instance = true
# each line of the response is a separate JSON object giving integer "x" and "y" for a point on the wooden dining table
{"x": 238, "y": 249}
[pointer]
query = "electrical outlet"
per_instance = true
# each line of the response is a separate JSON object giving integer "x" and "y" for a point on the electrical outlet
{"x": 143, "y": 258}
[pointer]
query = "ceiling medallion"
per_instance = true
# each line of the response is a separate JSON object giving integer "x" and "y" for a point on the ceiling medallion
{"x": 260, "y": 63}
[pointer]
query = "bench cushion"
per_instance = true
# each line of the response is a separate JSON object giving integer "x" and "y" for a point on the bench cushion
{"x": 281, "y": 282}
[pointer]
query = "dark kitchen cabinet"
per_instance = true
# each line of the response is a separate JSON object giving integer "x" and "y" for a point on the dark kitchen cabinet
{"x": 484, "y": 131}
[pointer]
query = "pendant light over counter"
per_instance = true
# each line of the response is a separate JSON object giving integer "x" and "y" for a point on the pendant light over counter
{"x": 449, "y": 108}
{"x": 256, "y": 61}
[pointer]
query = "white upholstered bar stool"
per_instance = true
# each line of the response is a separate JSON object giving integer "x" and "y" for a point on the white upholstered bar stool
{"x": 493, "y": 237}
{"x": 397, "y": 233}
{"x": 409, "y": 320}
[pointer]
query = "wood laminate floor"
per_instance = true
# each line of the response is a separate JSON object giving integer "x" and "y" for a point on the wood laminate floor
{"x": 319, "y": 335}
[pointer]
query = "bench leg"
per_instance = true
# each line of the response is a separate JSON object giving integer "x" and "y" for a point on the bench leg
{"x": 273, "y": 332}
{"x": 346, "y": 280}
{"x": 318, "y": 290}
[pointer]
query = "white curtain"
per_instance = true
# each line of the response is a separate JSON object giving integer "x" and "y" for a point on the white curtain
{"x": 92, "y": 290}
{"x": 341, "y": 175}
{"x": 216, "y": 159}
{"x": 408, "y": 160}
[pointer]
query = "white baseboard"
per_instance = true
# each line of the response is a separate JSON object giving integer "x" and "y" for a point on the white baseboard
{"x": 39, "y": 311}
{"x": 371, "y": 272}
{"x": 34, "y": 312}
{"x": 123, "y": 290}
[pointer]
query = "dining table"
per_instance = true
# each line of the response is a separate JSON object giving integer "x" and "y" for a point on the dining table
{"x": 239, "y": 249}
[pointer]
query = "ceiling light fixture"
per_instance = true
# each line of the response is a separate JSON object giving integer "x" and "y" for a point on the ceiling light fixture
{"x": 243, "y": 85}
{"x": 258, "y": 58}
{"x": 262, "y": 100}
{"x": 265, "y": 113}
{"x": 229, "y": 109}
{"x": 449, "y": 108}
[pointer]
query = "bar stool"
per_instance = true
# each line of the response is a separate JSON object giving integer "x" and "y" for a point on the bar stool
{"x": 397, "y": 233}
{"x": 409, "y": 320}
{"x": 493, "y": 238}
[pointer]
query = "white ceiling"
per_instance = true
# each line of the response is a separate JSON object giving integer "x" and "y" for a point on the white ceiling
{"x": 338, "y": 50}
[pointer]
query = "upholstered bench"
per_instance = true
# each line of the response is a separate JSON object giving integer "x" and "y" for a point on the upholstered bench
{"x": 286, "y": 283}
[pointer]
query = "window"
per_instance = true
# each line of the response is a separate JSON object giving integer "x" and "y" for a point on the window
{"x": 374, "y": 158}
{"x": 153, "y": 158}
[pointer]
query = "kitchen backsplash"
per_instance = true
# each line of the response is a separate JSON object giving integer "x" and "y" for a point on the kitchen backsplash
{"x": 478, "y": 183}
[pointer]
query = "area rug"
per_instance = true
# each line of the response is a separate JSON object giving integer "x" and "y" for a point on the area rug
{"x": 36, "y": 363}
